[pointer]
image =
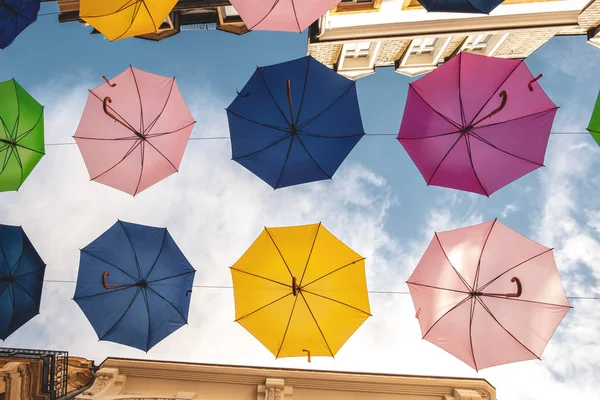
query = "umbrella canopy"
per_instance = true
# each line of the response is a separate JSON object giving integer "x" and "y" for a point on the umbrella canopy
{"x": 281, "y": 15}
{"x": 15, "y": 16}
{"x": 461, "y": 6}
{"x": 21, "y": 135}
{"x": 294, "y": 122}
{"x": 134, "y": 285}
{"x": 477, "y": 123}
{"x": 300, "y": 291}
{"x": 21, "y": 279}
{"x": 488, "y": 295}
{"x": 134, "y": 130}
{"x": 594, "y": 125}
{"x": 119, "y": 19}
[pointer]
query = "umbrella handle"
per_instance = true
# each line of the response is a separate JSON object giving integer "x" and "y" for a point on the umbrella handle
{"x": 534, "y": 80}
{"x": 107, "y": 81}
{"x": 308, "y": 353}
{"x": 504, "y": 96}
{"x": 289, "y": 99}
{"x": 518, "y": 293}
{"x": 106, "y": 285}
{"x": 105, "y": 102}
{"x": 240, "y": 94}
{"x": 295, "y": 288}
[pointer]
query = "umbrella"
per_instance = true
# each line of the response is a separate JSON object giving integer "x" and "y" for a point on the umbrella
{"x": 281, "y": 15}
{"x": 134, "y": 130}
{"x": 134, "y": 285}
{"x": 594, "y": 125}
{"x": 119, "y": 19}
{"x": 21, "y": 279}
{"x": 21, "y": 135}
{"x": 300, "y": 291}
{"x": 15, "y": 16}
{"x": 308, "y": 141}
{"x": 477, "y": 123}
{"x": 461, "y": 6}
{"x": 488, "y": 295}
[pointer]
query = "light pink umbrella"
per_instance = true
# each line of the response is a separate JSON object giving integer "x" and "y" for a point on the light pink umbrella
{"x": 134, "y": 130}
{"x": 477, "y": 123}
{"x": 488, "y": 295}
{"x": 281, "y": 15}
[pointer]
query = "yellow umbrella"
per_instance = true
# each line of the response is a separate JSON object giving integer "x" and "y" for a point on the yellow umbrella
{"x": 119, "y": 19}
{"x": 300, "y": 291}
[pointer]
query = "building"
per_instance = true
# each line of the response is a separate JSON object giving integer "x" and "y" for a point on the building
{"x": 358, "y": 36}
{"x": 42, "y": 374}
{"x": 126, "y": 379}
{"x": 187, "y": 15}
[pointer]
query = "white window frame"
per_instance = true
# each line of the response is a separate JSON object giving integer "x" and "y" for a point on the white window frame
{"x": 489, "y": 48}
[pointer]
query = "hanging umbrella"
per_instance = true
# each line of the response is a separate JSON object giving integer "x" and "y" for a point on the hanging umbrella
{"x": 134, "y": 130}
{"x": 308, "y": 141}
{"x": 134, "y": 285}
{"x": 281, "y": 15}
{"x": 21, "y": 278}
{"x": 461, "y": 6}
{"x": 477, "y": 123}
{"x": 15, "y": 16}
{"x": 300, "y": 291}
{"x": 594, "y": 125}
{"x": 21, "y": 135}
{"x": 488, "y": 295}
{"x": 119, "y": 19}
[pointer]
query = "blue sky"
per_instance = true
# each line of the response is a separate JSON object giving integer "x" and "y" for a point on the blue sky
{"x": 377, "y": 203}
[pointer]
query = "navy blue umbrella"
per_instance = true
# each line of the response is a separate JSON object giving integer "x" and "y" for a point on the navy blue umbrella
{"x": 21, "y": 279}
{"x": 461, "y": 6}
{"x": 294, "y": 122}
{"x": 134, "y": 285}
{"x": 15, "y": 16}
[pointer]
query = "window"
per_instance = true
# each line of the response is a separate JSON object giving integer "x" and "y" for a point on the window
{"x": 352, "y": 6}
{"x": 357, "y": 50}
{"x": 423, "y": 46}
{"x": 422, "y": 55}
{"x": 483, "y": 43}
{"x": 358, "y": 59}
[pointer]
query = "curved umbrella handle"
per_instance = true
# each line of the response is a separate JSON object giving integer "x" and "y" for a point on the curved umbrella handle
{"x": 107, "y": 81}
{"x": 308, "y": 353}
{"x": 289, "y": 99}
{"x": 240, "y": 94}
{"x": 534, "y": 80}
{"x": 518, "y": 293}
{"x": 504, "y": 96}
{"x": 105, "y": 102}
{"x": 106, "y": 285}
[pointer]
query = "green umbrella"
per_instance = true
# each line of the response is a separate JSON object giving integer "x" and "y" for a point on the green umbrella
{"x": 21, "y": 135}
{"x": 594, "y": 126}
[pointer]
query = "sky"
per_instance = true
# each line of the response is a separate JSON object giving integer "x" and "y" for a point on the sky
{"x": 377, "y": 203}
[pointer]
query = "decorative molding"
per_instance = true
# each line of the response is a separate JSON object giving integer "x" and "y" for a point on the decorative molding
{"x": 108, "y": 382}
{"x": 274, "y": 389}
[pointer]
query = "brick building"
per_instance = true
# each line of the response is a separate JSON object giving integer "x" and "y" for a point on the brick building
{"x": 358, "y": 36}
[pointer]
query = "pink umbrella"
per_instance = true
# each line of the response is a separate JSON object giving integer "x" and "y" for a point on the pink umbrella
{"x": 281, "y": 15}
{"x": 477, "y": 123}
{"x": 488, "y": 295}
{"x": 134, "y": 130}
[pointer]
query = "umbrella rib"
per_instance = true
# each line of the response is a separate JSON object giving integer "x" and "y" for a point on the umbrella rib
{"x": 18, "y": 158}
{"x": 259, "y": 276}
{"x": 303, "y": 90}
{"x": 334, "y": 271}
{"x": 337, "y": 301}
{"x": 516, "y": 266}
{"x": 494, "y": 92}
{"x": 468, "y": 144}
{"x": 137, "y": 263}
{"x": 122, "y": 8}
{"x": 476, "y": 281}
{"x": 460, "y": 303}
{"x": 29, "y": 273}
{"x": 150, "y": 15}
{"x": 271, "y": 94}
{"x": 148, "y": 312}
{"x": 106, "y": 262}
{"x": 137, "y": 88}
{"x": 436, "y": 287}
{"x": 310, "y": 254}
{"x": 506, "y": 330}
{"x": 287, "y": 157}
{"x": 11, "y": 295}
{"x": 464, "y": 281}
{"x": 133, "y": 17}
{"x": 471, "y": 316}
{"x": 317, "y": 323}
{"x": 122, "y": 316}
{"x": 142, "y": 148}
{"x": 153, "y": 135}
{"x": 296, "y": 16}
{"x": 330, "y": 137}
{"x": 514, "y": 119}
{"x": 168, "y": 302}
{"x": 153, "y": 123}
{"x": 266, "y": 15}
{"x": 525, "y": 301}
{"x": 279, "y": 251}
{"x": 429, "y": 137}
{"x": 476, "y": 136}
{"x": 313, "y": 160}
{"x": 287, "y": 326}
{"x": 26, "y": 292}
{"x": 172, "y": 277}
{"x": 263, "y": 307}
{"x": 443, "y": 159}
{"x": 32, "y": 150}
{"x": 163, "y": 156}
{"x": 457, "y": 126}
{"x": 107, "y": 139}
{"x": 103, "y": 293}
{"x": 276, "y": 128}
{"x": 311, "y": 120}
{"x": 462, "y": 109}
{"x": 131, "y": 128}
{"x": 131, "y": 149}
{"x": 14, "y": 267}
{"x": 157, "y": 257}
{"x": 19, "y": 138}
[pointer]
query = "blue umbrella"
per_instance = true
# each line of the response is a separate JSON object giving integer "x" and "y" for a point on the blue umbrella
{"x": 15, "y": 16}
{"x": 134, "y": 285}
{"x": 461, "y": 6}
{"x": 294, "y": 122}
{"x": 21, "y": 279}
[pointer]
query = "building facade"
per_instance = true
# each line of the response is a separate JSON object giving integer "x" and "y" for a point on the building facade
{"x": 126, "y": 379}
{"x": 187, "y": 15}
{"x": 42, "y": 374}
{"x": 358, "y": 36}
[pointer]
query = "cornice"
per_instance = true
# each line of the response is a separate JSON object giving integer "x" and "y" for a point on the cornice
{"x": 322, "y": 380}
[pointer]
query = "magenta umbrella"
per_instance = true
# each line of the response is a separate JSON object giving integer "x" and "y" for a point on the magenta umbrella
{"x": 134, "y": 130}
{"x": 488, "y": 295}
{"x": 281, "y": 15}
{"x": 477, "y": 123}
